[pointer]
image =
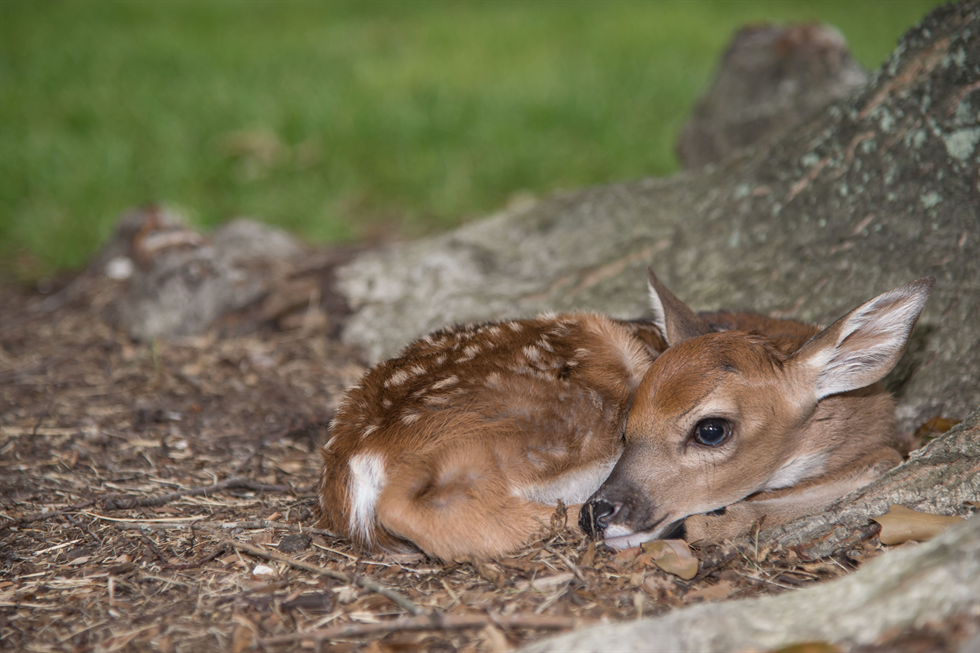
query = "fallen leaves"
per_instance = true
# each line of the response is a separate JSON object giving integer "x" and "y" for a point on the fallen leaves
{"x": 674, "y": 557}
{"x": 900, "y": 524}
{"x": 714, "y": 592}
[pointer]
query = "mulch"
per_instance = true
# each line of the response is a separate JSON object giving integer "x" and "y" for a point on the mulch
{"x": 159, "y": 497}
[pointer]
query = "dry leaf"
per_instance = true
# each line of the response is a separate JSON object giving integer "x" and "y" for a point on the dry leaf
{"x": 712, "y": 593}
{"x": 810, "y": 647}
{"x": 244, "y": 635}
{"x": 674, "y": 557}
{"x": 494, "y": 639}
{"x": 937, "y": 425}
{"x": 546, "y": 583}
{"x": 624, "y": 560}
{"x": 975, "y": 504}
{"x": 901, "y": 524}
{"x": 588, "y": 558}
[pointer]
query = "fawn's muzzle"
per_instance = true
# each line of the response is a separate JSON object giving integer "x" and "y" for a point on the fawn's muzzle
{"x": 596, "y": 515}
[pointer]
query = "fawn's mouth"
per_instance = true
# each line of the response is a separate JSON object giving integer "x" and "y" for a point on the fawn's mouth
{"x": 615, "y": 538}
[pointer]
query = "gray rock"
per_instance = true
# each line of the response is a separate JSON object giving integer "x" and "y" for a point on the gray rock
{"x": 899, "y": 590}
{"x": 769, "y": 79}
{"x": 180, "y": 283}
{"x": 872, "y": 193}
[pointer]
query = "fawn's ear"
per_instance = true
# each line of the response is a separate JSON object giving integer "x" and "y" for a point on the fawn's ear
{"x": 864, "y": 345}
{"x": 675, "y": 321}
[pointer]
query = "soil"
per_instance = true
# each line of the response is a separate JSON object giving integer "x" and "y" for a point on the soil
{"x": 160, "y": 497}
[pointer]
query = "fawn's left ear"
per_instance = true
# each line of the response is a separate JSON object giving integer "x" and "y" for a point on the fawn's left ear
{"x": 864, "y": 345}
{"x": 675, "y": 321}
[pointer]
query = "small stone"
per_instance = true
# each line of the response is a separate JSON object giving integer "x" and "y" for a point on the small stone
{"x": 295, "y": 543}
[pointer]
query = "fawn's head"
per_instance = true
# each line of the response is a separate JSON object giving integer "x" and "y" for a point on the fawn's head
{"x": 719, "y": 416}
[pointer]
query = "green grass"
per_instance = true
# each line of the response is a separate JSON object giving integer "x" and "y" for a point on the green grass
{"x": 338, "y": 120}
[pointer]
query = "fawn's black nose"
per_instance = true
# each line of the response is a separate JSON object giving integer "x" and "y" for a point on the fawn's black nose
{"x": 595, "y": 516}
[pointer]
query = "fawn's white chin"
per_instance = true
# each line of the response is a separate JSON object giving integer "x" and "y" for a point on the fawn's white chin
{"x": 628, "y": 541}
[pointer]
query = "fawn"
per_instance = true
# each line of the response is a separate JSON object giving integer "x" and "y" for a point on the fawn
{"x": 463, "y": 444}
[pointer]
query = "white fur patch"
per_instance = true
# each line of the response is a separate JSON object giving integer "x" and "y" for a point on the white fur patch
{"x": 657, "y": 307}
{"x": 632, "y": 356}
{"x": 796, "y": 469}
{"x": 410, "y": 418}
{"x": 367, "y": 479}
{"x": 571, "y": 487}
{"x": 397, "y": 378}
{"x": 619, "y": 538}
{"x": 445, "y": 383}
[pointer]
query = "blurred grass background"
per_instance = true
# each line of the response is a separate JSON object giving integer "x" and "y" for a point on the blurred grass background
{"x": 342, "y": 120}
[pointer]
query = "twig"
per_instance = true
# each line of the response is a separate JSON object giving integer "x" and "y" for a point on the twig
{"x": 366, "y": 583}
{"x": 29, "y": 519}
{"x": 126, "y": 503}
{"x": 278, "y": 435}
{"x": 120, "y": 501}
{"x": 258, "y": 447}
{"x": 265, "y": 523}
{"x": 568, "y": 563}
{"x": 153, "y": 547}
{"x": 84, "y": 527}
{"x": 427, "y": 622}
{"x": 198, "y": 563}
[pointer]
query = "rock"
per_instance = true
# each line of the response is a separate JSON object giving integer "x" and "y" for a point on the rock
{"x": 178, "y": 282}
{"x": 769, "y": 79}
{"x": 871, "y": 193}
{"x": 899, "y": 590}
{"x": 182, "y": 282}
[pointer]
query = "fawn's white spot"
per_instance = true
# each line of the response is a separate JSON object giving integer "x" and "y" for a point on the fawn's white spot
{"x": 410, "y": 418}
{"x": 368, "y": 431}
{"x": 447, "y": 382}
{"x": 796, "y": 469}
{"x": 532, "y": 353}
{"x": 516, "y": 327}
{"x": 417, "y": 370}
{"x": 367, "y": 479}
{"x": 397, "y": 378}
{"x": 571, "y": 487}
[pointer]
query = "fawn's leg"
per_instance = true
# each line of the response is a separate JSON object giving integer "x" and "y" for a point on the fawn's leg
{"x": 459, "y": 502}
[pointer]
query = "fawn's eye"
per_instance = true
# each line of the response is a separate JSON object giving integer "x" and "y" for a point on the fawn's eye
{"x": 712, "y": 432}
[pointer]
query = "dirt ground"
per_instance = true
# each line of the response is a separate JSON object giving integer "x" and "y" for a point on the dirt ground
{"x": 159, "y": 497}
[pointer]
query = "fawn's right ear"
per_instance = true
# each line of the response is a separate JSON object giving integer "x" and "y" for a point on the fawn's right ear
{"x": 675, "y": 321}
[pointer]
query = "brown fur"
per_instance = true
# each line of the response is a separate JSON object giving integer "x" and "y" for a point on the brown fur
{"x": 468, "y": 421}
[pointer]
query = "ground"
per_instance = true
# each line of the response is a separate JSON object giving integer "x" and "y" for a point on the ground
{"x": 111, "y": 543}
